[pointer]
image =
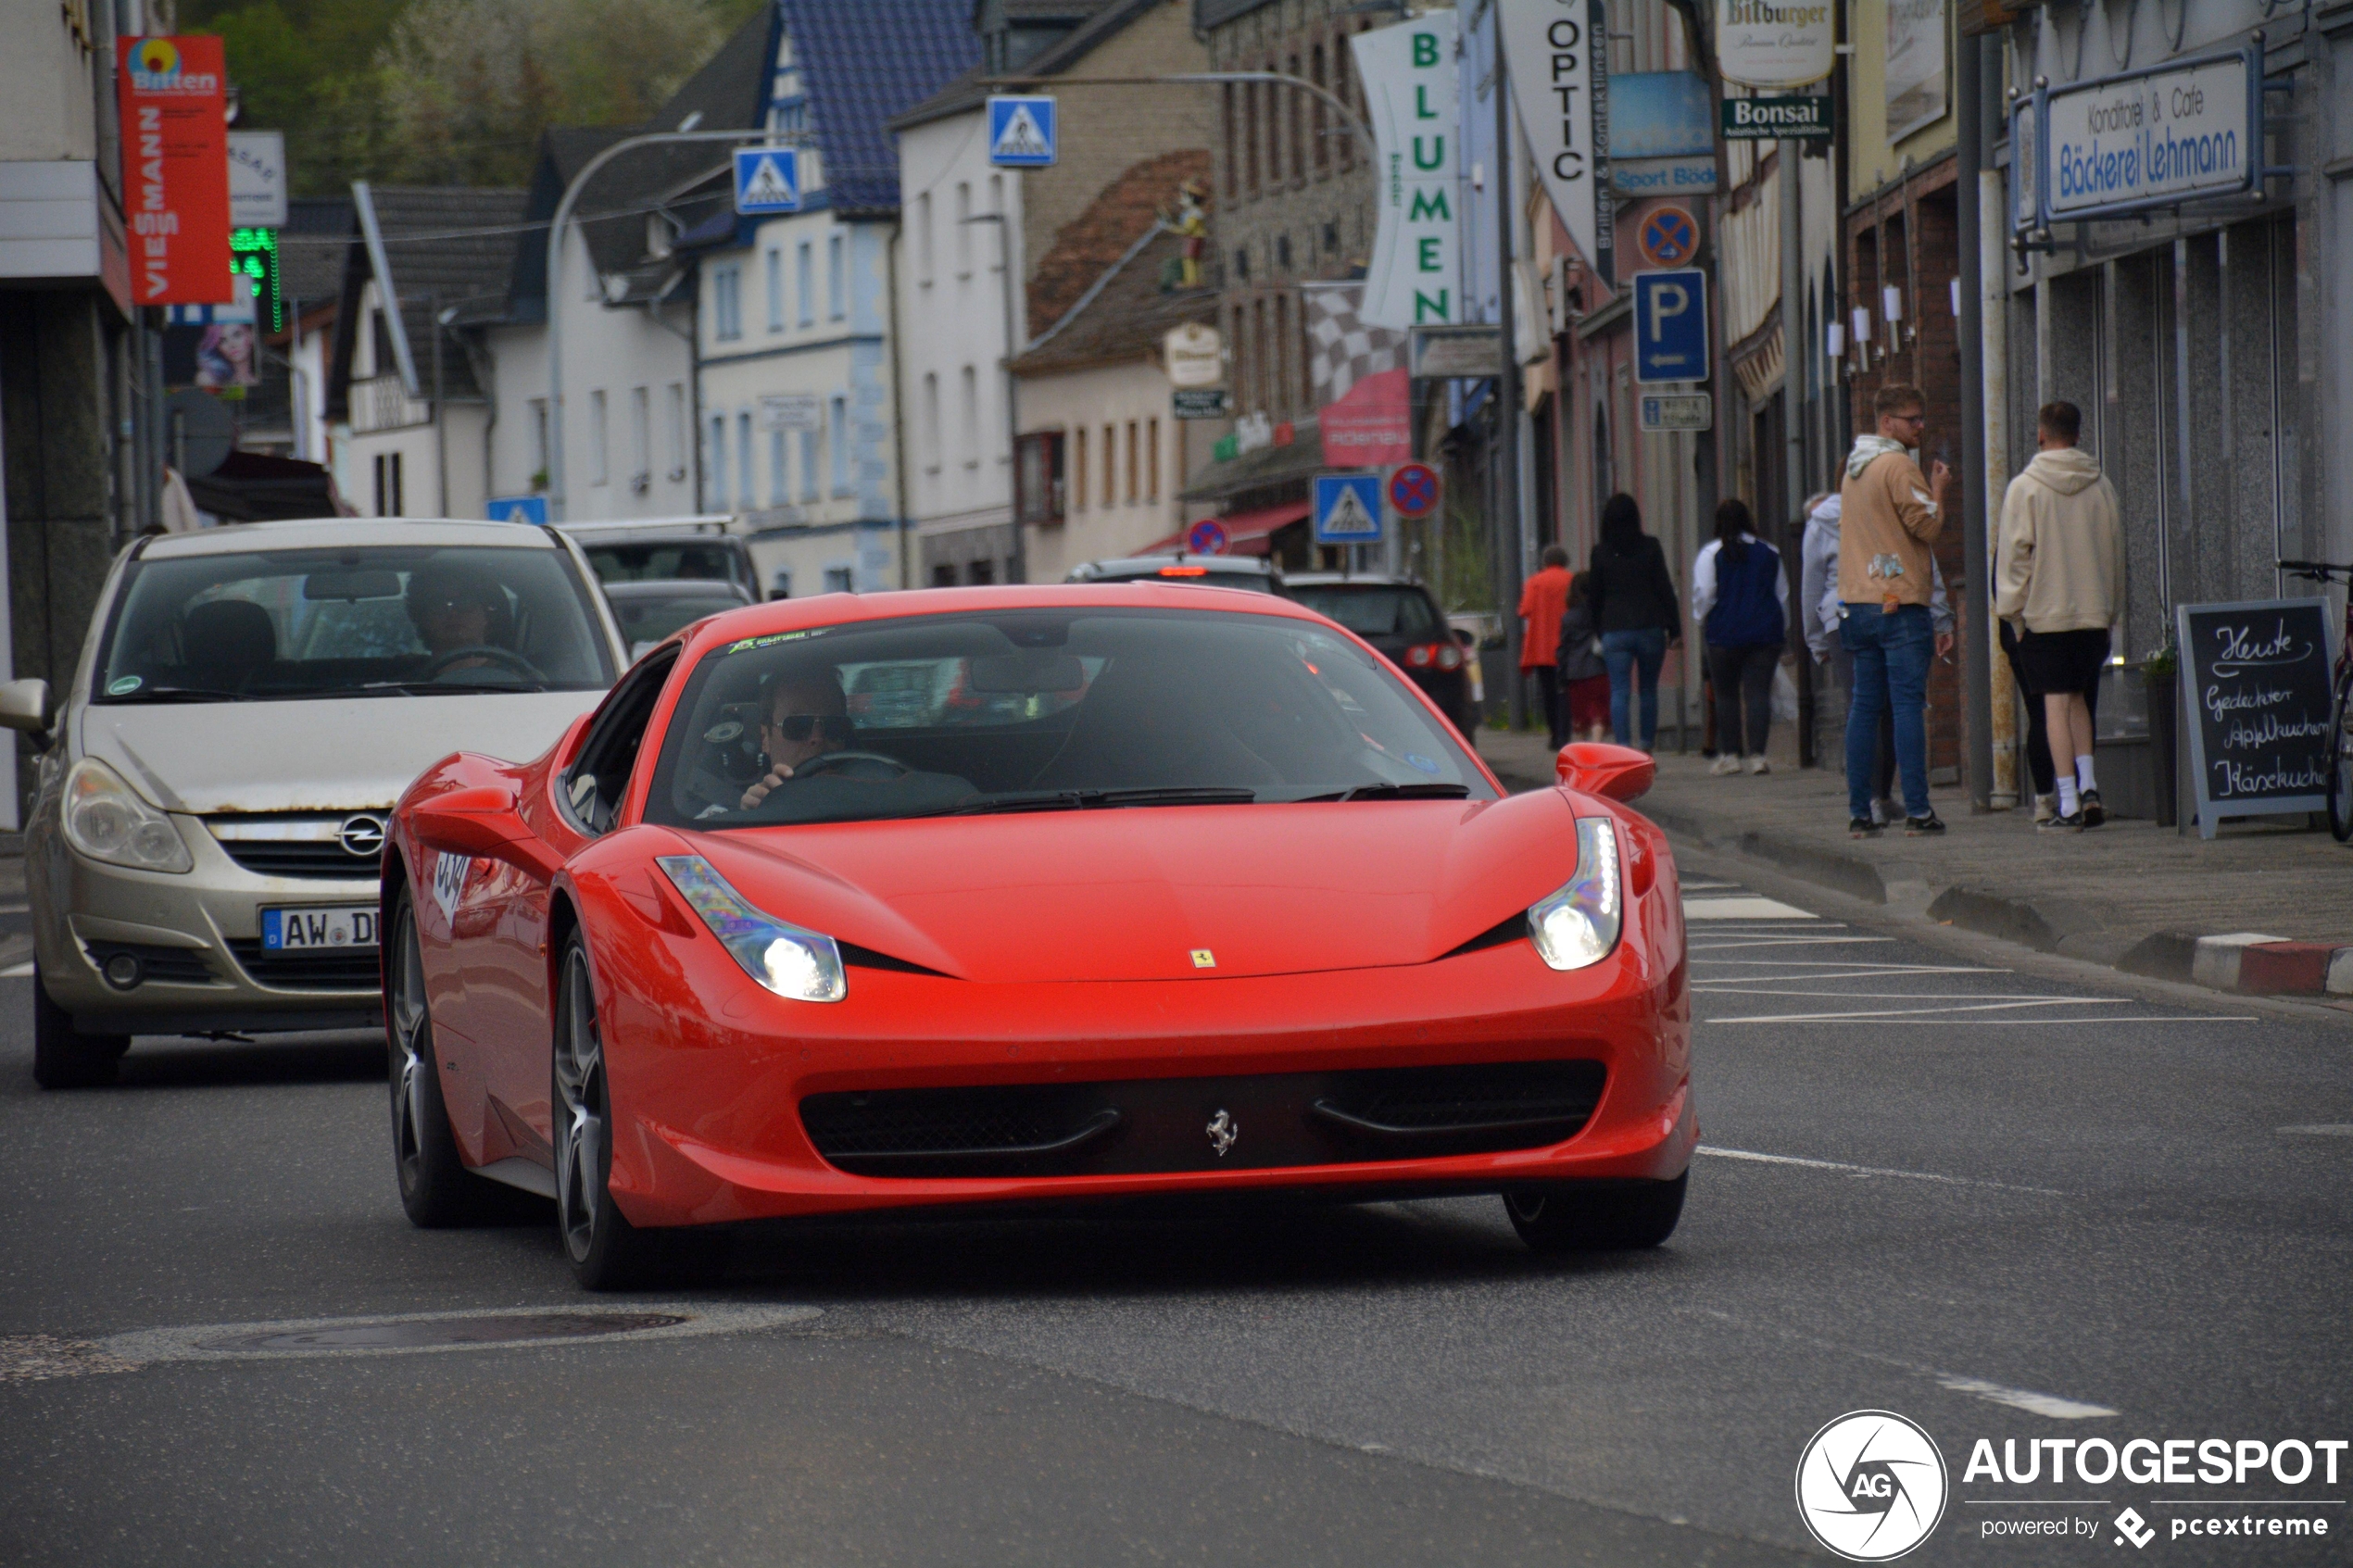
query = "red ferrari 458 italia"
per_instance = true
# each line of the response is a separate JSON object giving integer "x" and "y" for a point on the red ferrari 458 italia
{"x": 985, "y": 896}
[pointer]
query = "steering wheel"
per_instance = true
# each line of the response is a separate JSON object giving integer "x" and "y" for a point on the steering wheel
{"x": 439, "y": 664}
{"x": 824, "y": 761}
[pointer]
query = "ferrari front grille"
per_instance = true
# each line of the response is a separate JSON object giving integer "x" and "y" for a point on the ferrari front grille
{"x": 1243, "y": 1121}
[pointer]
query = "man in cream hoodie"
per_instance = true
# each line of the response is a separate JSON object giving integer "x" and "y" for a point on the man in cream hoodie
{"x": 2059, "y": 578}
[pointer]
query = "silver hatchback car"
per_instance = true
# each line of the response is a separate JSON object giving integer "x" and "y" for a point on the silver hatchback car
{"x": 203, "y": 847}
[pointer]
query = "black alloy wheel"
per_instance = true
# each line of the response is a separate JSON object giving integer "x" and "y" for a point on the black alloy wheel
{"x": 2340, "y": 777}
{"x": 64, "y": 1057}
{"x": 605, "y": 1251}
{"x": 436, "y": 1190}
{"x": 1596, "y": 1216}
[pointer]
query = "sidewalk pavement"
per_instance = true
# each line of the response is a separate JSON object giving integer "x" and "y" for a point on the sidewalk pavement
{"x": 2258, "y": 909}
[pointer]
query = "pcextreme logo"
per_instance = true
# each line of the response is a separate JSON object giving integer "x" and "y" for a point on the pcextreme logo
{"x": 1872, "y": 1486}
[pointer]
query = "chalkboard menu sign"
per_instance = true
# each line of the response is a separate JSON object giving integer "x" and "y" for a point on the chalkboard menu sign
{"x": 2255, "y": 677}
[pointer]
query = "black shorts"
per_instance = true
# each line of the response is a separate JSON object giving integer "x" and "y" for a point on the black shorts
{"x": 2061, "y": 662}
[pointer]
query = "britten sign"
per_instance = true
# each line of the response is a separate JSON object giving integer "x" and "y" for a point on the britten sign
{"x": 175, "y": 169}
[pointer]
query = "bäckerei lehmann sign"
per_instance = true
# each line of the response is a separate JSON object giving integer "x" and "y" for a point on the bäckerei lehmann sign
{"x": 2152, "y": 138}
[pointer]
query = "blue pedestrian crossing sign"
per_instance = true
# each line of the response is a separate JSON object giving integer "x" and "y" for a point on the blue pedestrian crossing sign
{"x": 1021, "y": 132}
{"x": 1347, "y": 509}
{"x": 530, "y": 509}
{"x": 767, "y": 181}
{"x": 1670, "y": 325}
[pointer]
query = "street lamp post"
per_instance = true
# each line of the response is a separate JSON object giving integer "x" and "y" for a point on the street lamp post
{"x": 555, "y": 491}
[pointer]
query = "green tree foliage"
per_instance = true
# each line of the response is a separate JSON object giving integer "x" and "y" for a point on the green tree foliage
{"x": 450, "y": 91}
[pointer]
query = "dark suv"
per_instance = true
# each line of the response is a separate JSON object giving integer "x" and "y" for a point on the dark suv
{"x": 1397, "y": 616}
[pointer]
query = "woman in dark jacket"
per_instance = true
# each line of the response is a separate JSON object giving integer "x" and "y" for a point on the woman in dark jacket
{"x": 1635, "y": 609}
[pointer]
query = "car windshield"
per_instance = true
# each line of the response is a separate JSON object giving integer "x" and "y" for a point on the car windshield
{"x": 646, "y": 619}
{"x": 358, "y": 621}
{"x": 1043, "y": 710}
{"x": 661, "y": 563}
{"x": 1373, "y": 609}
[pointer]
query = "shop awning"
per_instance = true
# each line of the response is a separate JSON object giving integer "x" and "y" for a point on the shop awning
{"x": 1247, "y": 533}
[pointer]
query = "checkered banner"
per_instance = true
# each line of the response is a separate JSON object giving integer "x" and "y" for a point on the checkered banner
{"x": 1341, "y": 350}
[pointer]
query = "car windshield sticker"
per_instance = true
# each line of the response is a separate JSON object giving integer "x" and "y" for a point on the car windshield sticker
{"x": 1426, "y": 764}
{"x": 773, "y": 638}
{"x": 449, "y": 881}
{"x": 124, "y": 686}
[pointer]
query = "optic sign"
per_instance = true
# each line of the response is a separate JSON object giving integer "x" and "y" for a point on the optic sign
{"x": 1410, "y": 79}
{"x": 1774, "y": 43}
{"x": 1207, "y": 537}
{"x": 1563, "y": 88}
{"x": 175, "y": 169}
{"x": 767, "y": 181}
{"x": 1347, "y": 509}
{"x": 1022, "y": 133}
{"x": 1413, "y": 490}
{"x": 1670, "y": 326}
{"x": 2152, "y": 138}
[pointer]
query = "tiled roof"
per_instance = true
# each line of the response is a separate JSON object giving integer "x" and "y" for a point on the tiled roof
{"x": 1127, "y": 320}
{"x": 863, "y": 63}
{"x": 447, "y": 247}
{"x": 969, "y": 92}
{"x": 310, "y": 266}
{"x": 1120, "y": 215}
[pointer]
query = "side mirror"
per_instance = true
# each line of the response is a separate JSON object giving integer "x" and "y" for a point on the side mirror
{"x": 482, "y": 820}
{"x": 1616, "y": 772}
{"x": 25, "y": 705}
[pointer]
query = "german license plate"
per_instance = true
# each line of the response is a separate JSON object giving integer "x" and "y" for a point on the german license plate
{"x": 288, "y": 931}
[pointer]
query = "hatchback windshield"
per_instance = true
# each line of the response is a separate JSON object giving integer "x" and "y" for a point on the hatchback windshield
{"x": 1045, "y": 709}
{"x": 1373, "y": 611}
{"x": 363, "y": 620}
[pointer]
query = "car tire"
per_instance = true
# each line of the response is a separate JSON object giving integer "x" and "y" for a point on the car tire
{"x": 64, "y": 1057}
{"x": 436, "y": 1189}
{"x": 1596, "y": 1216}
{"x": 605, "y": 1251}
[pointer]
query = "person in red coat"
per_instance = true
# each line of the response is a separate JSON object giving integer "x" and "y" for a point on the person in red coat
{"x": 1541, "y": 604}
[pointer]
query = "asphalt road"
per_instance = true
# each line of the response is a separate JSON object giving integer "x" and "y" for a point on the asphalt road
{"x": 2005, "y": 1205}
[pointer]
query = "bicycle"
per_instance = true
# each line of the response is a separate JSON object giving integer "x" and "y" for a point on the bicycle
{"x": 2340, "y": 774}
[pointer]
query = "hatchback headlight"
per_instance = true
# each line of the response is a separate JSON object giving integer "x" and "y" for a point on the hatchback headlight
{"x": 105, "y": 819}
{"x": 802, "y": 965}
{"x": 1578, "y": 925}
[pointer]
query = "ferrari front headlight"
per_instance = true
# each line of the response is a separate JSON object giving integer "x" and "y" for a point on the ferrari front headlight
{"x": 105, "y": 819}
{"x": 802, "y": 965}
{"x": 1578, "y": 926}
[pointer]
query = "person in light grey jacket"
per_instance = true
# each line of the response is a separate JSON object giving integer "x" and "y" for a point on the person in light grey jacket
{"x": 1821, "y": 609}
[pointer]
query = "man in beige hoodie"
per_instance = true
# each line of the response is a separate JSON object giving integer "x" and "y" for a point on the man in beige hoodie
{"x": 2059, "y": 578}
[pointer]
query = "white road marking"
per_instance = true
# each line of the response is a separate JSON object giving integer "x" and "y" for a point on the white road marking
{"x": 2321, "y": 1130}
{"x": 18, "y": 971}
{"x": 1854, "y": 968}
{"x": 234, "y": 1341}
{"x": 1761, "y": 988}
{"x": 1951, "y": 1014}
{"x": 2049, "y": 1405}
{"x": 2044, "y": 1022}
{"x": 1871, "y": 1171}
{"x": 1737, "y": 941}
{"x": 1747, "y": 905}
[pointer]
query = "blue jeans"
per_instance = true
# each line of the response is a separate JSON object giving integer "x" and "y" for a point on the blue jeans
{"x": 1623, "y": 652}
{"x": 1891, "y": 677}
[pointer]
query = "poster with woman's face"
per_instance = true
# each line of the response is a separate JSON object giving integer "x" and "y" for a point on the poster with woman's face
{"x": 225, "y": 356}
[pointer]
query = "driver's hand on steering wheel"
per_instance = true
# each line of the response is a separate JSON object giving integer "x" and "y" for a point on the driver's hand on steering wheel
{"x": 792, "y": 739}
{"x": 759, "y": 791}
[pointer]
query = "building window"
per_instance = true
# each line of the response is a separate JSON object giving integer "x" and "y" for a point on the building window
{"x": 1002, "y": 225}
{"x": 746, "y": 494}
{"x": 807, "y": 465}
{"x": 1316, "y": 120}
{"x": 1038, "y": 477}
{"x": 1242, "y": 264}
{"x": 388, "y": 501}
{"x": 943, "y": 574}
{"x": 1261, "y": 383}
{"x": 1282, "y": 254}
{"x": 971, "y": 418}
{"x": 840, "y": 579}
{"x": 1249, "y": 136}
{"x": 1275, "y": 94}
{"x": 931, "y": 421}
{"x": 837, "y": 276}
{"x": 1346, "y": 94}
{"x": 718, "y": 457}
{"x": 1152, "y": 462}
{"x": 838, "y": 428}
{"x": 923, "y": 239}
{"x": 1278, "y": 362}
{"x": 538, "y": 443}
{"x": 1078, "y": 470}
{"x": 1226, "y": 112}
{"x": 727, "y": 302}
{"x": 963, "y": 230}
{"x": 1111, "y": 465}
{"x": 980, "y": 573}
{"x": 776, "y": 491}
{"x": 678, "y": 432}
{"x": 1135, "y": 461}
{"x": 775, "y": 290}
{"x": 808, "y": 280}
{"x": 780, "y": 584}
{"x": 600, "y": 466}
{"x": 641, "y": 440}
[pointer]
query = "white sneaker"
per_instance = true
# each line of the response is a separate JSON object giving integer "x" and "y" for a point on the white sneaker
{"x": 1758, "y": 765}
{"x": 1723, "y": 765}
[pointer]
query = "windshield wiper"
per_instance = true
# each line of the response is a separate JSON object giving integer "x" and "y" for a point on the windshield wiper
{"x": 1091, "y": 799}
{"x": 180, "y": 693}
{"x": 1396, "y": 792}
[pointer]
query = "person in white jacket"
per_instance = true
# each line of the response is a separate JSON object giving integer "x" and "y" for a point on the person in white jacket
{"x": 2059, "y": 576}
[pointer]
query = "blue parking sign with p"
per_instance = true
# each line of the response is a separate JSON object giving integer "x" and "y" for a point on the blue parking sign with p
{"x": 1670, "y": 325}
{"x": 767, "y": 181}
{"x": 1021, "y": 132}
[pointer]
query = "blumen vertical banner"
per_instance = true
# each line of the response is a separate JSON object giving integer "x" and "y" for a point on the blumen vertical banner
{"x": 1557, "y": 54}
{"x": 1409, "y": 73}
{"x": 175, "y": 168}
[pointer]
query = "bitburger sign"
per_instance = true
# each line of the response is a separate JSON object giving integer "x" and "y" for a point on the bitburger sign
{"x": 1774, "y": 43}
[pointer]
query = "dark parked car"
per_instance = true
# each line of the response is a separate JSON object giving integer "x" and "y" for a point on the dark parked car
{"x": 650, "y": 610}
{"x": 1398, "y": 616}
{"x": 1202, "y": 571}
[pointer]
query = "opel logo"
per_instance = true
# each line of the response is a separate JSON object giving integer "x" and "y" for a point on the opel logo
{"x": 1223, "y": 1130}
{"x": 363, "y": 835}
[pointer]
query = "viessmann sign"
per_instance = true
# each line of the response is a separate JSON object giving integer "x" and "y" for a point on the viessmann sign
{"x": 2152, "y": 138}
{"x": 175, "y": 169}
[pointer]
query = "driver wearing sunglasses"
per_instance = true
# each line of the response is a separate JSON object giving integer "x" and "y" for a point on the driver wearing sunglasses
{"x": 807, "y": 718}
